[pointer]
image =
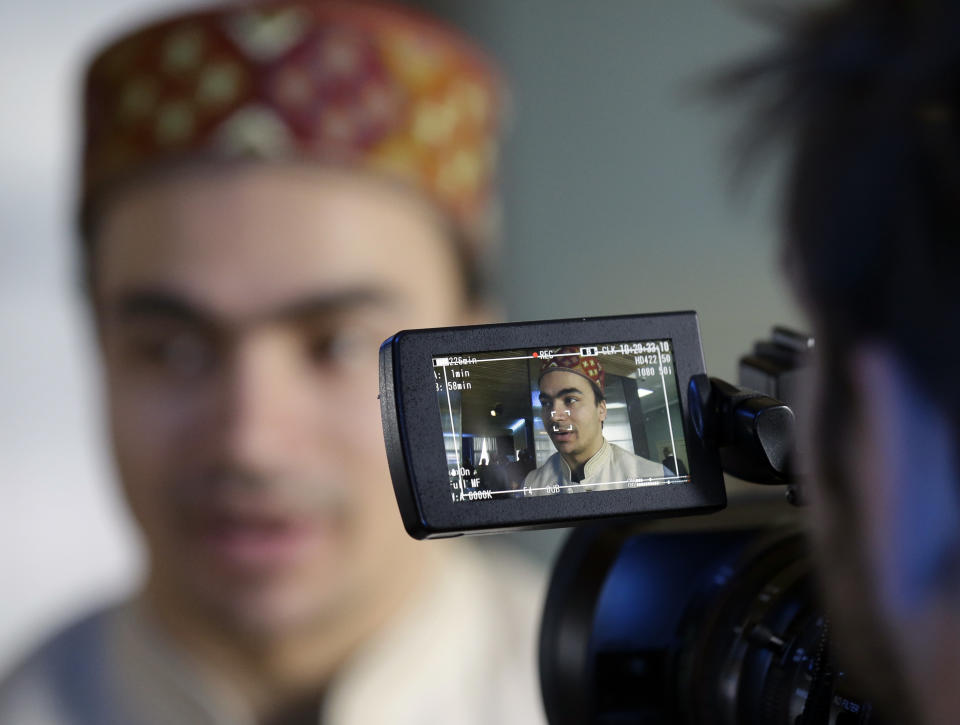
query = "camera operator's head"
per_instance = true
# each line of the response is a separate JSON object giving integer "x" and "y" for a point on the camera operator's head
{"x": 867, "y": 94}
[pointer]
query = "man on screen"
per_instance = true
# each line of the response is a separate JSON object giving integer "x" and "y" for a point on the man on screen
{"x": 574, "y": 408}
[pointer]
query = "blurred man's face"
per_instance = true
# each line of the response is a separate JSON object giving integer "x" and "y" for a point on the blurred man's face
{"x": 240, "y": 316}
{"x": 572, "y": 416}
{"x": 844, "y": 492}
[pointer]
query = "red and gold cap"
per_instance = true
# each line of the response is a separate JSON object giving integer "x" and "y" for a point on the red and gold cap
{"x": 353, "y": 83}
{"x": 569, "y": 359}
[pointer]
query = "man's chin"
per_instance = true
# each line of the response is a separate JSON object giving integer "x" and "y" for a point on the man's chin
{"x": 263, "y": 588}
{"x": 270, "y": 609}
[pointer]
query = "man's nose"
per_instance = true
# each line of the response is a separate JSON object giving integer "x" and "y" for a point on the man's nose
{"x": 262, "y": 414}
{"x": 559, "y": 412}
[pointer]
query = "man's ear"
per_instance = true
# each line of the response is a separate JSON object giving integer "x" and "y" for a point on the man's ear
{"x": 481, "y": 313}
{"x": 904, "y": 470}
{"x": 603, "y": 410}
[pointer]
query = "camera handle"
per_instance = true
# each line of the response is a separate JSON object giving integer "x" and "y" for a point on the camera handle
{"x": 753, "y": 432}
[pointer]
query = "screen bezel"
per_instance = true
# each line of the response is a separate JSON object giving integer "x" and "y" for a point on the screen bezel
{"x": 418, "y": 462}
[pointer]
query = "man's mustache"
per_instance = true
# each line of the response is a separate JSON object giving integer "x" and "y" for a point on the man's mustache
{"x": 245, "y": 491}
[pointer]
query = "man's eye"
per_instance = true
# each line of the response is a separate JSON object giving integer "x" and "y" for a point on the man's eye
{"x": 185, "y": 355}
{"x": 341, "y": 347}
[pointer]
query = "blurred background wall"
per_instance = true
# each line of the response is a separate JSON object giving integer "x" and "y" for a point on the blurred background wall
{"x": 617, "y": 200}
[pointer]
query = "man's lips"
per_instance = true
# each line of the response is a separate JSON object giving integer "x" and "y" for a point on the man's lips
{"x": 257, "y": 542}
{"x": 562, "y": 432}
{"x": 247, "y": 524}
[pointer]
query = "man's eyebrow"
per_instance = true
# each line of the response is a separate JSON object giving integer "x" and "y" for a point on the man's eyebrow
{"x": 162, "y": 304}
{"x": 561, "y": 393}
{"x": 318, "y": 305}
{"x": 135, "y": 306}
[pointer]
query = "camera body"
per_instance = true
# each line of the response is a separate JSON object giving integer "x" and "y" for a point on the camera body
{"x": 650, "y": 618}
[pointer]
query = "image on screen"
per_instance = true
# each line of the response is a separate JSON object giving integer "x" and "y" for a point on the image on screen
{"x": 571, "y": 419}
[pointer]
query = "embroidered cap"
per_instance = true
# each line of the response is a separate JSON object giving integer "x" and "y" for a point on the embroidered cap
{"x": 352, "y": 83}
{"x": 570, "y": 360}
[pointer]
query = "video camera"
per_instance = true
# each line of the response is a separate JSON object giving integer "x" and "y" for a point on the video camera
{"x": 612, "y": 425}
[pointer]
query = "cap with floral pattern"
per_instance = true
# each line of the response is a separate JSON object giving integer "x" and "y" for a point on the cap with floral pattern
{"x": 354, "y": 83}
{"x": 569, "y": 359}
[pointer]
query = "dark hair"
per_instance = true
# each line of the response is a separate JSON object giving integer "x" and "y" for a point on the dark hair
{"x": 476, "y": 285}
{"x": 598, "y": 396}
{"x": 866, "y": 95}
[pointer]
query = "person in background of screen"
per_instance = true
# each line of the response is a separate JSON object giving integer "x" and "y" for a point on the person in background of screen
{"x": 671, "y": 464}
{"x": 573, "y": 410}
{"x": 269, "y": 190}
{"x": 866, "y": 96}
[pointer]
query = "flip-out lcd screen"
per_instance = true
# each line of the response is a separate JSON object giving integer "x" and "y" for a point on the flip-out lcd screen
{"x": 565, "y": 419}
